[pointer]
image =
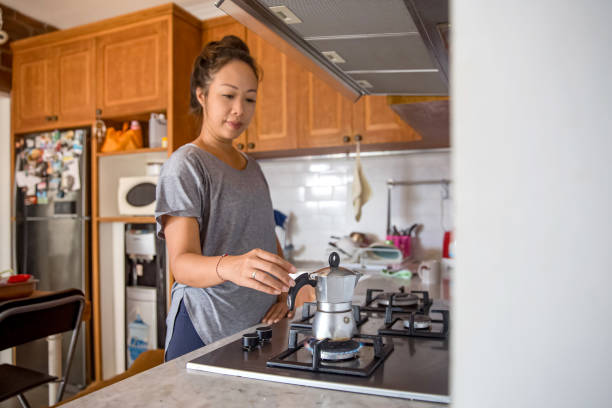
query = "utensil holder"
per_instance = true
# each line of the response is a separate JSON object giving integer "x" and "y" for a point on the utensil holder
{"x": 402, "y": 242}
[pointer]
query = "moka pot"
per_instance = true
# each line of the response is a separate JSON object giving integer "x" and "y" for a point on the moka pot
{"x": 334, "y": 287}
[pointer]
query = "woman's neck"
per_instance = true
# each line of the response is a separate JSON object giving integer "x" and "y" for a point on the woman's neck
{"x": 222, "y": 149}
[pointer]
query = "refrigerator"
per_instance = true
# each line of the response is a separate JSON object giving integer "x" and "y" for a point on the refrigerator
{"x": 51, "y": 231}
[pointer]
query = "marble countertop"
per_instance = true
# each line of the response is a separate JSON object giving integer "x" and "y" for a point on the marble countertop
{"x": 172, "y": 385}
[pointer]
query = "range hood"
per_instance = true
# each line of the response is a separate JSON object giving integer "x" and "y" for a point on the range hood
{"x": 359, "y": 47}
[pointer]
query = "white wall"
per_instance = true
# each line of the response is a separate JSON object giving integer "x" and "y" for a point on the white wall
{"x": 532, "y": 142}
{"x": 5, "y": 181}
{"x": 316, "y": 192}
{"x": 5, "y": 199}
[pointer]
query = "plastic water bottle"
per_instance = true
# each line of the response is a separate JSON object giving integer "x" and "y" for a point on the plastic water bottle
{"x": 157, "y": 129}
{"x": 138, "y": 338}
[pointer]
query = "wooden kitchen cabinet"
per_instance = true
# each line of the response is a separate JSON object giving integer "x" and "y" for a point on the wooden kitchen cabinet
{"x": 331, "y": 120}
{"x": 53, "y": 86}
{"x": 132, "y": 69}
{"x": 326, "y": 115}
{"x": 75, "y": 95}
{"x": 275, "y": 123}
{"x": 32, "y": 89}
{"x": 376, "y": 122}
{"x": 217, "y": 28}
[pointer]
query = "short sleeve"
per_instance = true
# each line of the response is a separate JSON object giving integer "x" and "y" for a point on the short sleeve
{"x": 179, "y": 190}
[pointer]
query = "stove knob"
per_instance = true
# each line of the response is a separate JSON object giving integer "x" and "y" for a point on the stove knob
{"x": 250, "y": 341}
{"x": 264, "y": 333}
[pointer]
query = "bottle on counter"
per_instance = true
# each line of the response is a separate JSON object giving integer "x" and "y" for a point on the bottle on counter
{"x": 157, "y": 129}
{"x": 138, "y": 338}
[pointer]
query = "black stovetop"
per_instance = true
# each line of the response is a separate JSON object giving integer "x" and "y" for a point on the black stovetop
{"x": 415, "y": 368}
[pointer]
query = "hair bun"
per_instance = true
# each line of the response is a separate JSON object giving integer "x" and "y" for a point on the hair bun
{"x": 231, "y": 41}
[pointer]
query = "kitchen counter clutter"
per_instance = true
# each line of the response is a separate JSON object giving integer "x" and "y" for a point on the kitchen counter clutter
{"x": 172, "y": 384}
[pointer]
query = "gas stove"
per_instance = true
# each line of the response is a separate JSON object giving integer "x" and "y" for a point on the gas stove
{"x": 399, "y": 351}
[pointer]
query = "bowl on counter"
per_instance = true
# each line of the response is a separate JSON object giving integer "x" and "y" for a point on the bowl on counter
{"x": 16, "y": 290}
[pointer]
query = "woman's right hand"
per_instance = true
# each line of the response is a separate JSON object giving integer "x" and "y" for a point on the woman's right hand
{"x": 259, "y": 270}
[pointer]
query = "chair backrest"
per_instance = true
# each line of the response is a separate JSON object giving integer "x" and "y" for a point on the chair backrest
{"x": 24, "y": 320}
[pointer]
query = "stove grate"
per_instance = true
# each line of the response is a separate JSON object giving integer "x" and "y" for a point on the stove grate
{"x": 422, "y": 306}
{"x": 380, "y": 349}
{"x": 411, "y": 331}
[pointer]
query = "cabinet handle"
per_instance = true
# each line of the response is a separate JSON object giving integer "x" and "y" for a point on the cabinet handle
{"x": 48, "y": 118}
{"x": 54, "y": 118}
{"x": 251, "y": 145}
{"x": 240, "y": 146}
{"x": 358, "y": 138}
{"x": 346, "y": 139}
{"x": 98, "y": 113}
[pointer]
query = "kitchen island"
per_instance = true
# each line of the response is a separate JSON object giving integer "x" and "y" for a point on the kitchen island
{"x": 171, "y": 384}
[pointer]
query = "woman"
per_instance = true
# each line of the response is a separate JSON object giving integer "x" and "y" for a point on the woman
{"x": 215, "y": 213}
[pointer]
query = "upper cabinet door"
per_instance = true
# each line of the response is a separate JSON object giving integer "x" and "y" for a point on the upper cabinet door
{"x": 75, "y": 102}
{"x": 325, "y": 114}
{"x": 34, "y": 76}
{"x": 376, "y": 122}
{"x": 275, "y": 124}
{"x": 132, "y": 69}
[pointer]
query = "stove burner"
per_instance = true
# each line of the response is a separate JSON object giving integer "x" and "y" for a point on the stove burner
{"x": 373, "y": 352}
{"x": 378, "y": 300}
{"x": 335, "y": 350}
{"x": 420, "y": 322}
{"x": 400, "y": 299}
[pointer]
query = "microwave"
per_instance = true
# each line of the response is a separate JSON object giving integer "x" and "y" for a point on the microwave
{"x": 136, "y": 195}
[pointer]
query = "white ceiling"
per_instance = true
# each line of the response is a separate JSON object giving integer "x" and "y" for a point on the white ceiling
{"x": 70, "y": 13}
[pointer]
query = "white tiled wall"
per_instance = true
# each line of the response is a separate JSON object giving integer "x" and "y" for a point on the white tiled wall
{"x": 316, "y": 193}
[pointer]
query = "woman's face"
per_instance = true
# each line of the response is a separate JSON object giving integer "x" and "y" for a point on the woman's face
{"x": 230, "y": 103}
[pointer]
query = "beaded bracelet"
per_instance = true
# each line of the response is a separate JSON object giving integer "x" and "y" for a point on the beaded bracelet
{"x": 217, "y": 267}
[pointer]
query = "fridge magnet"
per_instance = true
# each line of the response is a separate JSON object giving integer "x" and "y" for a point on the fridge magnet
{"x": 67, "y": 183}
{"x": 30, "y": 200}
{"x": 34, "y": 155}
{"x": 21, "y": 178}
{"x": 38, "y": 142}
{"x": 41, "y": 169}
{"x": 79, "y": 135}
{"x": 55, "y": 135}
{"x": 54, "y": 183}
{"x": 47, "y": 155}
{"x": 77, "y": 149}
{"x": 41, "y": 197}
{"x": 57, "y": 166}
{"x": 72, "y": 171}
{"x": 68, "y": 135}
{"x": 29, "y": 143}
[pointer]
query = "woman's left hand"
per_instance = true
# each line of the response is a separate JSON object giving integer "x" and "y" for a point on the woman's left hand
{"x": 277, "y": 311}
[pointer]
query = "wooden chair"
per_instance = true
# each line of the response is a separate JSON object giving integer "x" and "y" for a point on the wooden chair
{"x": 28, "y": 319}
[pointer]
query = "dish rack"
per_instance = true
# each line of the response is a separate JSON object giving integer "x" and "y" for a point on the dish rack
{"x": 376, "y": 258}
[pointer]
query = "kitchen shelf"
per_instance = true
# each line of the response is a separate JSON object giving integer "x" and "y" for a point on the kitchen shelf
{"x": 131, "y": 220}
{"x": 134, "y": 151}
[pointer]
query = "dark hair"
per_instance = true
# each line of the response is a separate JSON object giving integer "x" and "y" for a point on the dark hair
{"x": 214, "y": 56}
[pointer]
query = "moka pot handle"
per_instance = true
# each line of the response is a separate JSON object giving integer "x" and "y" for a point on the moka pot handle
{"x": 303, "y": 279}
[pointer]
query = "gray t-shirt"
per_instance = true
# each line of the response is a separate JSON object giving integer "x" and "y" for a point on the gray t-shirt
{"x": 235, "y": 215}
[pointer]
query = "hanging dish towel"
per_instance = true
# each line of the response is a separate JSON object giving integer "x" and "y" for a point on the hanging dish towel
{"x": 361, "y": 187}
